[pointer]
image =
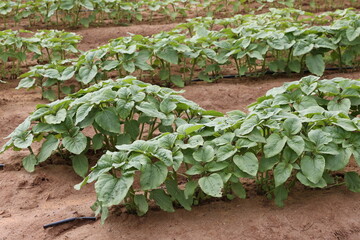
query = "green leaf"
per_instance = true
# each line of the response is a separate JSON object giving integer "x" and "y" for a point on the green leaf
{"x": 303, "y": 179}
{"x": 87, "y": 73}
{"x": 282, "y": 172}
{"x": 342, "y": 105}
{"x": 82, "y": 112}
{"x": 108, "y": 120}
{"x": 292, "y": 126}
{"x": 302, "y": 47}
{"x": 76, "y": 144}
{"x": 132, "y": 128}
{"x": 338, "y": 161}
{"x": 49, "y": 95}
{"x": 167, "y": 105}
{"x": 194, "y": 170}
{"x": 238, "y": 189}
{"x": 26, "y": 83}
{"x": 267, "y": 163}
{"x": 153, "y": 175}
{"x": 56, "y": 119}
{"x": 29, "y": 162}
{"x": 281, "y": 194}
{"x": 247, "y": 163}
{"x": 190, "y": 188}
{"x": 179, "y": 195}
{"x": 274, "y": 145}
{"x": 165, "y": 156}
{"x": 80, "y": 164}
{"x": 313, "y": 168}
{"x": 23, "y": 141}
{"x": 162, "y": 200}
{"x": 352, "y": 181}
{"x": 50, "y": 145}
{"x": 168, "y": 54}
{"x": 204, "y": 154}
{"x": 111, "y": 190}
{"x": 315, "y": 63}
{"x": 151, "y": 111}
{"x": 225, "y": 152}
{"x": 98, "y": 141}
{"x": 297, "y": 144}
{"x": 216, "y": 166}
{"x": 212, "y": 185}
{"x": 142, "y": 205}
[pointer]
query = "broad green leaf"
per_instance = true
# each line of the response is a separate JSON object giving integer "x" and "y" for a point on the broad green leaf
{"x": 297, "y": 144}
{"x": 162, "y": 200}
{"x": 339, "y": 105}
{"x": 179, "y": 195}
{"x": 165, "y": 156}
{"x": 111, "y": 190}
{"x": 23, "y": 141}
{"x": 282, "y": 172}
{"x": 190, "y": 188}
{"x": 108, "y": 120}
{"x": 303, "y": 179}
{"x": 313, "y": 167}
{"x": 76, "y": 144}
{"x": 153, "y": 175}
{"x": 338, "y": 161}
{"x": 98, "y": 141}
{"x": 225, "y": 152}
{"x": 141, "y": 203}
{"x": 247, "y": 162}
{"x": 212, "y": 185}
{"x": 50, "y": 145}
{"x": 274, "y": 145}
{"x": 281, "y": 194}
{"x": 56, "y": 119}
{"x": 132, "y": 128}
{"x": 238, "y": 189}
{"x": 82, "y": 112}
{"x": 267, "y": 163}
{"x": 319, "y": 137}
{"x": 29, "y": 162}
{"x": 292, "y": 126}
{"x": 204, "y": 154}
{"x": 315, "y": 63}
{"x": 80, "y": 164}
{"x": 352, "y": 180}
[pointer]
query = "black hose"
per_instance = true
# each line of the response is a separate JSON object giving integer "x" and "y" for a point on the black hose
{"x": 68, "y": 220}
{"x": 2, "y": 166}
{"x": 271, "y": 73}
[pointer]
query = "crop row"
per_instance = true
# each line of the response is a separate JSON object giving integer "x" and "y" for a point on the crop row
{"x": 44, "y": 46}
{"x": 278, "y": 41}
{"x": 166, "y": 150}
{"x": 85, "y": 12}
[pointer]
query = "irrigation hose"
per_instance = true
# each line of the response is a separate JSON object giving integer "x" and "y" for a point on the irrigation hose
{"x": 68, "y": 220}
{"x": 271, "y": 73}
{"x": 2, "y": 166}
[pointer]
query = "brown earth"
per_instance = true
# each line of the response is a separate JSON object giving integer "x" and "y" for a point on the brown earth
{"x": 28, "y": 201}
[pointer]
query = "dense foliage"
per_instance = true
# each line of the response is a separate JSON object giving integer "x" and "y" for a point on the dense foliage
{"x": 85, "y": 12}
{"x": 279, "y": 41}
{"x": 111, "y": 113}
{"x": 44, "y": 46}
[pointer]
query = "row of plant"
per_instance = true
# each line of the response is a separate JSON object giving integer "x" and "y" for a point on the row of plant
{"x": 304, "y": 132}
{"x": 85, "y": 12}
{"x": 44, "y": 46}
{"x": 278, "y": 41}
{"x": 114, "y": 112}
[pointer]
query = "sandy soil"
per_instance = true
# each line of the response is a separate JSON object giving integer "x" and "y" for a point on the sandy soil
{"x": 28, "y": 201}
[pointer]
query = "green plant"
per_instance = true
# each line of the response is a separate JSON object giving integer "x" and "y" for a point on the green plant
{"x": 304, "y": 131}
{"x": 116, "y": 112}
{"x": 278, "y": 41}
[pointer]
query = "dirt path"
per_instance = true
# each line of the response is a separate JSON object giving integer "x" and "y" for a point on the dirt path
{"x": 28, "y": 201}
